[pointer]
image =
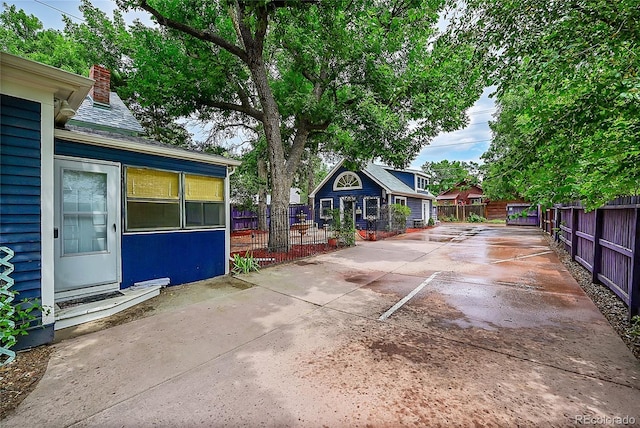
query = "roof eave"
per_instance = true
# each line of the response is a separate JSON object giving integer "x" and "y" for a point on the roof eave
{"x": 64, "y": 85}
{"x": 134, "y": 146}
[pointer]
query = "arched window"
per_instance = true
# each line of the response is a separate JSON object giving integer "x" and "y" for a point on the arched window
{"x": 347, "y": 181}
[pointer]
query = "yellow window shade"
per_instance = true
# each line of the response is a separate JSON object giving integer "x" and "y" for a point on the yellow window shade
{"x": 152, "y": 184}
{"x": 199, "y": 188}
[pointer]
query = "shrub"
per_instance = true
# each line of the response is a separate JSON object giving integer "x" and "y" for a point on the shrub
{"x": 344, "y": 229}
{"x": 431, "y": 222}
{"x": 475, "y": 218}
{"x": 634, "y": 328}
{"x": 15, "y": 320}
{"x": 244, "y": 264}
{"x": 399, "y": 215}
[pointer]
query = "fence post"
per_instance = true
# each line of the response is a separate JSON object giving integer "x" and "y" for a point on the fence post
{"x": 574, "y": 235}
{"x": 597, "y": 248}
{"x": 556, "y": 224}
{"x": 634, "y": 289}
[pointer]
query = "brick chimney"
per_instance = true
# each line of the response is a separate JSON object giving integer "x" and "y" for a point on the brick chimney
{"x": 101, "y": 89}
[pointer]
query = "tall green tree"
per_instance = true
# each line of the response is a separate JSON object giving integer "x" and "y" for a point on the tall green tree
{"x": 364, "y": 79}
{"x": 78, "y": 47}
{"x": 446, "y": 174}
{"x": 568, "y": 76}
{"x": 24, "y": 35}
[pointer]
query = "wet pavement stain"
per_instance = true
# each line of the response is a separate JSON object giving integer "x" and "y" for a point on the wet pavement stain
{"x": 360, "y": 279}
{"x": 424, "y": 238}
{"x": 306, "y": 263}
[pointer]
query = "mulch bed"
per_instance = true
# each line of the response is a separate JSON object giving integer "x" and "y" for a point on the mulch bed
{"x": 20, "y": 377}
{"x": 266, "y": 257}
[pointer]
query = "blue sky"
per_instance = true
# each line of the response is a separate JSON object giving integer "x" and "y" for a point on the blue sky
{"x": 465, "y": 145}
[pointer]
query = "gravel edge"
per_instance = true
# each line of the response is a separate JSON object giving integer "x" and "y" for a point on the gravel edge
{"x": 610, "y": 305}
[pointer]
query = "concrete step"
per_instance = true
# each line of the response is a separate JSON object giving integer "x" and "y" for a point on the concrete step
{"x": 82, "y": 313}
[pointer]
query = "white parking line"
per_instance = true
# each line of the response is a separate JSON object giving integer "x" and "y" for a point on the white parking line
{"x": 406, "y": 298}
{"x": 521, "y": 257}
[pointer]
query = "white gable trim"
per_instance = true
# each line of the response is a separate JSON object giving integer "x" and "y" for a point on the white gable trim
{"x": 326, "y": 179}
{"x": 345, "y": 174}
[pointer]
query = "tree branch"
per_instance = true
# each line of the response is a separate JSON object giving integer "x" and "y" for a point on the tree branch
{"x": 248, "y": 110}
{"x": 206, "y": 36}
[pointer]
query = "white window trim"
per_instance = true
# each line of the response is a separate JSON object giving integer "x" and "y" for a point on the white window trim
{"x": 366, "y": 200}
{"x": 400, "y": 198}
{"x": 346, "y": 173}
{"x": 181, "y": 203}
{"x": 322, "y": 200}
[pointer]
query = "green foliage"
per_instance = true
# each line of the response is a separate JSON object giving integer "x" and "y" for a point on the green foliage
{"x": 475, "y": 218}
{"x": 343, "y": 227}
{"x": 496, "y": 221}
{"x": 568, "y": 125}
{"x": 431, "y": 222}
{"x": 446, "y": 175}
{"x": 100, "y": 40}
{"x": 362, "y": 80}
{"x": 245, "y": 264}
{"x": 15, "y": 318}
{"x": 399, "y": 214}
{"x": 634, "y": 328}
{"x": 524, "y": 213}
{"x": 24, "y": 35}
{"x": 448, "y": 219}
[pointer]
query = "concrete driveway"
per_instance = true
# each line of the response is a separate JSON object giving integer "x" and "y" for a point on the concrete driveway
{"x": 495, "y": 333}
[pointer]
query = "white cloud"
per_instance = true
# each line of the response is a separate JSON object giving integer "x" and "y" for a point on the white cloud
{"x": 451, "y": 145}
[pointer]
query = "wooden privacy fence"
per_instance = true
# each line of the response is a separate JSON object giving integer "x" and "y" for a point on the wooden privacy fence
{"x": 605, "y": 241}
{"x": 461, "y": 212}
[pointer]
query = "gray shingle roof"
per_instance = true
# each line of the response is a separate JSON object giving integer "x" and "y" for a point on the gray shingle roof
{"x": 116, "y": 117}
{"x": 140, "y": 140}
{"x": 391, "y": 183}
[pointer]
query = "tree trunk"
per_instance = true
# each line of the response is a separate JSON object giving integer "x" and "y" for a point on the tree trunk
{"x": 282, "y": 169}
{"x": 280, "y": 180}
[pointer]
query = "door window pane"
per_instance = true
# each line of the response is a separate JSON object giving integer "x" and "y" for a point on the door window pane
{"x": 84, "y": 202}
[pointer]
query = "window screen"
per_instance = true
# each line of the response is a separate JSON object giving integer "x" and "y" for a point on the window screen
{"x": 204, "y": 201}
{"x": 158, "y": 200}
{"x": 153, "y": 199}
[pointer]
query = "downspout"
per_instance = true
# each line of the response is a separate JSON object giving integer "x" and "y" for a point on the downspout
{"x": 227, "y": 209}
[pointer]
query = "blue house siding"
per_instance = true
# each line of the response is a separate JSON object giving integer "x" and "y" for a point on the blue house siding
{"x": 416, "y": 210}
{"x": 20, "y": 210}
{"x": 137, "y": 159}
{"x": 369, "y": 188}
{"x": 20, "y": 189}
{"x": 182, "y": 256}
{"x": 406, "y": 177}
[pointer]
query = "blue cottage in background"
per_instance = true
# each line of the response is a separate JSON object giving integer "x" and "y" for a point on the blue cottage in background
{"x": 365, "y": 194}
{"x": 92, "y": 210}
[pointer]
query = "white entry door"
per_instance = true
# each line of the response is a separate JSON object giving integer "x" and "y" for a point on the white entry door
{"x": 426, "y": 211}
{"x": 86, "y": 227}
